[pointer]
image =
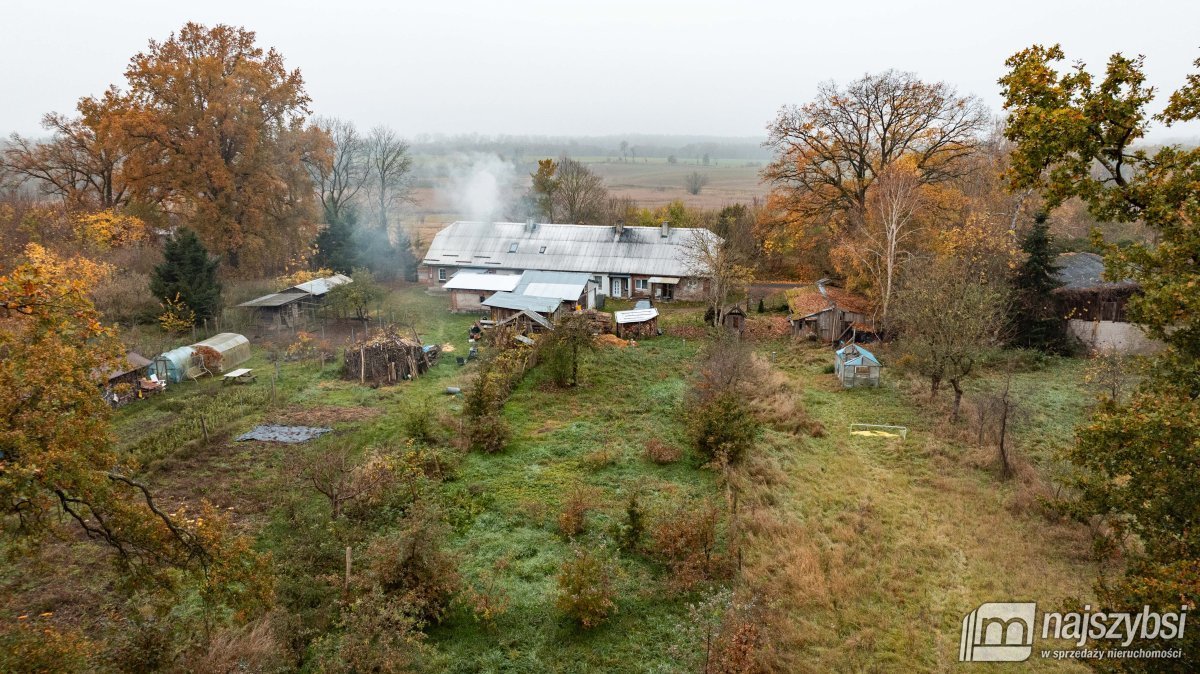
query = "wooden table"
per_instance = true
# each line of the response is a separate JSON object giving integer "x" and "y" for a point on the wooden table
{"x": 241, "y": 375}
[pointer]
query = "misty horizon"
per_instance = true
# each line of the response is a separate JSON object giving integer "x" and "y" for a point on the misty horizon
{"x": 705, "y": 70}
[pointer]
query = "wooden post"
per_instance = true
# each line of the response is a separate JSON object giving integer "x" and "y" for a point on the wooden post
{"x": 277, "y": 369}
{"x": 204, "y": 428}
{"x": 362, "y": 365}
{"x": 272, "y": 391}
{"x": 392, "y": 372}
{"x": 348, "y": 563}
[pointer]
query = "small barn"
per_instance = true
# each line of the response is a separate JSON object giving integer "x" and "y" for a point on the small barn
{"x": 827, "y": 313}
{"x": 639, "y": 323}
{"x": 1094, "y": 308}
{"x": 855, "y": 366}
{"x": 129, "y": 370}
{"x": 285, "y": 309}
{"x": 572, "y": 290}
{"x": 735, "y": 320}
{"x": 469, "y": 290}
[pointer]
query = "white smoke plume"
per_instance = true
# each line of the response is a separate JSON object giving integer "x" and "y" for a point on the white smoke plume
{"x": 480, "y": 186}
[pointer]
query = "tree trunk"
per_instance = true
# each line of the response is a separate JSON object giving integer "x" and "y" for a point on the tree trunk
{"x": 958, "y": 393}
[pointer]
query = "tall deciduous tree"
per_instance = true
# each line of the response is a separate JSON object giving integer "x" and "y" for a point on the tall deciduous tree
{"x": 341, "y": 173}
{"x": 220, "y": 140}
{"x": 189, "y": 274}
{"x": 830, "y": 151}
{"x": 389, "y": 167}
{"x": 580, "y": 196}
{"x": 725, "y": 270}
{"x": 1077, "y": 135}
{"x": 542, "y": 191}
{"x": 83, "y": 162}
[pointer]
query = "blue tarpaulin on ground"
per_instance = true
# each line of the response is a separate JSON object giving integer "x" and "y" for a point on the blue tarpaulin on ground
{"x": 283, "y": 433}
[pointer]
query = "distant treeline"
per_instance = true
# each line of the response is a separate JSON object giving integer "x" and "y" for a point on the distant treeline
{"x": 631, "y": 147}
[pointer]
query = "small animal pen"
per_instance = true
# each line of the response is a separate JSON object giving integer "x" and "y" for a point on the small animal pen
{"x": 387, "y": 358}
{"x": 855, "y": 366}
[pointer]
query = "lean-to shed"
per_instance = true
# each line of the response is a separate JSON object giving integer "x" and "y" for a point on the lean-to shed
{"x": 855, "y": 366}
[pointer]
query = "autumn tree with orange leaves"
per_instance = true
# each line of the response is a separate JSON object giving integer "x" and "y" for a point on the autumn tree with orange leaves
{"x": 58, "y": 465}
{"x": 218, "y": 128}
{"x": 889, "y": 133}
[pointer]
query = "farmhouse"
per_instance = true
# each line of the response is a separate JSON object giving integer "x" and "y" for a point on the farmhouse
{"x": 827, "y": 313}
{"x": 623, "y": 261}
{"x": 1095, "y": 309}
{"x": 285, "y": 308}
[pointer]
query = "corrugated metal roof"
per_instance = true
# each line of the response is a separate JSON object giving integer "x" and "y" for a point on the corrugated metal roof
{"x": 1078, "y": 271}
{"x": 573, "y": 248}
{"x": 274, "y": 299}
{"x": 492, "y": 282}
{"x": 319, "y": 286}
{"x": 563, "y": 286}
{"x": 531, "y": 315}
{"x": 507, "y": 300}
{"x": 635, "y": 315}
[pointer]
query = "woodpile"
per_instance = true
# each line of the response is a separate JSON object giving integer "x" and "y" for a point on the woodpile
{"x": 386, "y": 358}
{"x": 600, "y": 322}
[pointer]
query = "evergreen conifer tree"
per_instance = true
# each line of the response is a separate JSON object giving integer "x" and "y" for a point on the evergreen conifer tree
{"x": 1033, "y": 320}
{"x": 335, "y": 244}
{"x": 189, "y": 273}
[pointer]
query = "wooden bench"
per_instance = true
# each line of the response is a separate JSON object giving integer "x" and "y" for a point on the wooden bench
{"x": 241, "y": 375}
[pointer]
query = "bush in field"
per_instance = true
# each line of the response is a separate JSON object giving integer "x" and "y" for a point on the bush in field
{"x": 722, "y": 426}
{"x": 573, "y": 519}
{"x": 380, "y": 633}
{"x": 31, "y": 644}
{"x": 561, "y": 350}
{"x": 685, "y": 539}
{"x": 124, "y": 297}
{"x": 661, "y": 453}
{"x": 585, "y": 587}
{"x": 720, "y": 420}
{"x": 489, "y": 433}
{"x": 633, "y": 529}
{"x": 414, "y": 565}
{"x": 722, "y": 635}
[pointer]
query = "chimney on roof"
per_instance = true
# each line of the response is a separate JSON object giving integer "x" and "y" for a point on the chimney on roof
{"x": 666, "y": 228}
{"x": 530, "y": 224}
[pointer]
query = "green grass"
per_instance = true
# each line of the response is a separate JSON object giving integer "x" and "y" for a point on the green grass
{"x": 870, "y": 550}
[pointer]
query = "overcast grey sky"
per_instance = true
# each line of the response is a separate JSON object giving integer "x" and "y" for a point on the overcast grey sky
{"x": 585, "y": 68}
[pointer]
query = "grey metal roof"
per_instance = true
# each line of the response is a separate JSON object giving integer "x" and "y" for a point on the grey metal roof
{"x": 1083, "y": 270}
{"x": 275, "y": 299}
{"x": 476, "y": 281}
{"x": 561, "y": 285}
{"x": 574, "y": 248}
{"x": 319, "y": 286}
{"x": 507, "y": 300}
{"x": 853, "y": 354}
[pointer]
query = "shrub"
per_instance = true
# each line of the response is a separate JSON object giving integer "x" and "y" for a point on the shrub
{"x": 33, "y": 645}
{"x": 380, "y": 633}
{"x": 124, "y": 297}
{"x": 585, "y": 587}
{"x": 489, "y": 433}
{"x": 485, "y": 600}
{"x": 661, "y": 453}
{"x": 634, "y": 527}
{"x": 601, "y": 458}
{"x": 722, "y": 427}
{"x": 412, "y": 563}
{"x": 573, "y": 519}
{"x": 685, "y": 539}
{"x": 251, "y": 648}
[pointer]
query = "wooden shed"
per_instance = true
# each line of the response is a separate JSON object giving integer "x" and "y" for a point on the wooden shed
{"x": 855, "y": 366}
{"x": 638, "y": 323}
{"x": 827, "y": 313}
